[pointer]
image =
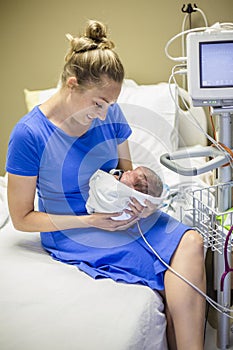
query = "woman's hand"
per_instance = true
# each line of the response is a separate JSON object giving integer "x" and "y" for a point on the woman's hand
{"x": 105, "y": 221}
{"x": 141, "y": 211}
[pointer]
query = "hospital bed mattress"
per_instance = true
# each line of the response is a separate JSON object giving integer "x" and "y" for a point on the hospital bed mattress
{"x": 46, "y": 304}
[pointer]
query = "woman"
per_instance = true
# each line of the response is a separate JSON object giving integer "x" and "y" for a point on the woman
{"x": 57, "y": 147}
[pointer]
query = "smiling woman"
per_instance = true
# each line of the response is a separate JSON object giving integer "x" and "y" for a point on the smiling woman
{"x": 57, "y": 147}
{"x": 79, "y": 127}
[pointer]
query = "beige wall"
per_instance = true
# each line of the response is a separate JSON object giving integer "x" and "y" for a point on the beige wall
{"x": 33, "y": 43}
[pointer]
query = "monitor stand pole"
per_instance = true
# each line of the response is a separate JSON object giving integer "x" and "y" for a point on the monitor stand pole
{"x": 224, "y": 203}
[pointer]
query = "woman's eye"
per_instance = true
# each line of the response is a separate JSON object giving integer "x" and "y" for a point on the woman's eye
{"x": 98, "y": 105}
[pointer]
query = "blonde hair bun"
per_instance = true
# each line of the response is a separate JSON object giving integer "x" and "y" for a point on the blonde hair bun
{"x": 96, "y": 31}
{"x": 95, "y": 37}
{"x": 91, "y": 56}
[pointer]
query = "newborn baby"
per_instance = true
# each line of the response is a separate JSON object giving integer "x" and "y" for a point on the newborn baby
{"x": 111, "y": 192}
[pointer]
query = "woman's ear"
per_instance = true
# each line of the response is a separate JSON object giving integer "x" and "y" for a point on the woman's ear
{"x": 72, "y": 82}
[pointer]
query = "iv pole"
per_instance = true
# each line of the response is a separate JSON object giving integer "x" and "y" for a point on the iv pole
{"x": 224, "y": 203}
{"x": 219, "y": 160}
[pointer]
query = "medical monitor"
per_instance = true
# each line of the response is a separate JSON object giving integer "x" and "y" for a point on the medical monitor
{"x": 210, "y": 68}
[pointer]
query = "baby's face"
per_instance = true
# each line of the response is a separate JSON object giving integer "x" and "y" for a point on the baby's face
{"x": 133, "y": 177}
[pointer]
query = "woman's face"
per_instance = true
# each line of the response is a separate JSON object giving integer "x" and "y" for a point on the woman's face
{"x": 93, "y": 103}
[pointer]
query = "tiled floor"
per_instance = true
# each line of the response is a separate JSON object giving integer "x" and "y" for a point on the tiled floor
{"x": 210, "y": 339}
{"x": 211, "y": 332}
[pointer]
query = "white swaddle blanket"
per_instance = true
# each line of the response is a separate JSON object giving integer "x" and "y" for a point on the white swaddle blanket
{"x": 108, "y": 195}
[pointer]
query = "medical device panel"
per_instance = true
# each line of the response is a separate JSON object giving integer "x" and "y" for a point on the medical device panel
{"x": 210, "y": 67}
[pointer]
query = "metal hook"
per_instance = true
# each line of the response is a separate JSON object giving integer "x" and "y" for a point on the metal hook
{"x": 189, "y": 9}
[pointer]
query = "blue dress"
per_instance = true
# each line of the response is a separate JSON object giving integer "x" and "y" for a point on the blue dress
{"x": 63, "y": 166}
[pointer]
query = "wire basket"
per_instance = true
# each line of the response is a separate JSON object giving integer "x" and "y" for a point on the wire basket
{"x": 202, "y": 205}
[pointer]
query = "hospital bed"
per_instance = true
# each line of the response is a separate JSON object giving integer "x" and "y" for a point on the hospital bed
{"x": 46, "y": 304}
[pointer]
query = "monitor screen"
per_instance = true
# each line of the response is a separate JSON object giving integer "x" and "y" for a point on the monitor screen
{"x": 210, "y": 68}
{"x": 216, "y": 64}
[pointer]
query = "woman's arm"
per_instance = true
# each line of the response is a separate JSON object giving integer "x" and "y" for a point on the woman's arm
{"x": 21, "y": 194}
{"x": 124, "y": 157}
{"x": 125, "y": 163}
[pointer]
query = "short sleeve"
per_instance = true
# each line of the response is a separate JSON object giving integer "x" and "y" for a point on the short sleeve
{"x": 120, "y": 124}
{"x": 22, "y": 156}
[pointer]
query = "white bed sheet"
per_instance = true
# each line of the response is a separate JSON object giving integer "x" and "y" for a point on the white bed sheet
{"x": 46, "y": 304}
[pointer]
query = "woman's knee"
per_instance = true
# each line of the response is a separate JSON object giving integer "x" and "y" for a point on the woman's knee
{"x": 192, "y": 241}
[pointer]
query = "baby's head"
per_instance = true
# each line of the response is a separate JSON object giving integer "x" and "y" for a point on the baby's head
{"x": 143, "y": 180}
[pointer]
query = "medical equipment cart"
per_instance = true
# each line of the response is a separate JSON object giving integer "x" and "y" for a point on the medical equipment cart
{"x": 209, "y": 207}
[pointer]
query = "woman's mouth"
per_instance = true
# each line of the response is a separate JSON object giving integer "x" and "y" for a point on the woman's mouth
{"x": 89, "y": 117}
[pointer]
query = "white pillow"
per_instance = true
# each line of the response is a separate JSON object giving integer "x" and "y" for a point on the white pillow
{"x": 36, "y": 97}
{"x": 157, "y": 100}
{"x": 152, "y": 114}
{"x": 190, "y": 121}
{"x": 150, "y": 111}
{"x": 151, "y": 137}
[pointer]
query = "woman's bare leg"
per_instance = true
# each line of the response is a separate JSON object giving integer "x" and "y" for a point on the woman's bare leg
{"x": 170, "y": 332}
{"x": 185, "y": 305}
